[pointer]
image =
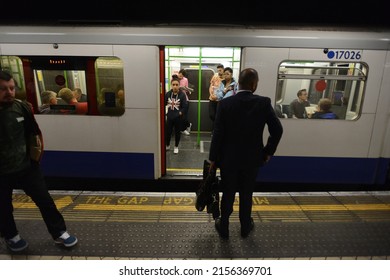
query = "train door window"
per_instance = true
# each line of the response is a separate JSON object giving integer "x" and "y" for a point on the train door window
{"x": 200, "y": 64}
{"x": 340, "y": 85}
{"x": 110, "y": 93}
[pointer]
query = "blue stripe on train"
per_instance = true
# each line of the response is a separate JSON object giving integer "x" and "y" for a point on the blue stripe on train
{"x": 325, "y": 170}
{"x": 280, "y": 169}
{"x": 98, "y": 165}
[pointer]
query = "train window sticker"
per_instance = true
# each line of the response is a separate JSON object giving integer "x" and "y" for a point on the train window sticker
{"x": 343, "y": 54}
{"x": 320, "y": 90}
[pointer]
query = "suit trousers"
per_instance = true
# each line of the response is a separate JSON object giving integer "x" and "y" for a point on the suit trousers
{"x": 32, "y": 182}
{"x": 242, "y": 181}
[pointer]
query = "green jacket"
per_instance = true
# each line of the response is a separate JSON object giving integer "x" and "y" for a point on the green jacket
{"x": 17, "y": 128}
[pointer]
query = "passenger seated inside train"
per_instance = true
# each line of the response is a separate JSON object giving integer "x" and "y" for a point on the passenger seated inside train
{"x": 72, "y": 106}
{"x": 297, "y": 106}
{"x": 80, "y": 96}
{"x": 323, "y": 110}
{"x": 48, "y": 98}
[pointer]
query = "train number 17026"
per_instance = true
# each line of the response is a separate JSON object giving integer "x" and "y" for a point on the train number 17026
{"x": 343, "y": 54}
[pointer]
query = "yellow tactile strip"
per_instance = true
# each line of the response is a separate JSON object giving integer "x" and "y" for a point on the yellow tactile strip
{"x": 167, "y": 207}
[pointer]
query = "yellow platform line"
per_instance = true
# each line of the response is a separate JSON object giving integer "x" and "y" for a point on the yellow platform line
{"x": 191, "y": 208}
{"x": 185, "y": 169}
{"x": 283, "y": 208}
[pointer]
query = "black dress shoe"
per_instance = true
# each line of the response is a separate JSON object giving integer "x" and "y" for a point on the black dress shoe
{"x": 223, "y": 231}
{"x": 245, "y": 232}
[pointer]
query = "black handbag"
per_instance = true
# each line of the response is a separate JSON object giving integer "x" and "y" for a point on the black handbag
{"x": 207, "y": 194}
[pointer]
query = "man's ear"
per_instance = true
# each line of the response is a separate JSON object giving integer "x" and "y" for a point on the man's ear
{"x": 254, "y": 86}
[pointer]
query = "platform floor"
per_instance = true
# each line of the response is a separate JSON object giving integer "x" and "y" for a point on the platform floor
{"x": 328, "y": 225}
{"x": 193, "y": 150}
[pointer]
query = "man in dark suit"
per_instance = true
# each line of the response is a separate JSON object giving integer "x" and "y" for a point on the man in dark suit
{"x": 237, "y": 148}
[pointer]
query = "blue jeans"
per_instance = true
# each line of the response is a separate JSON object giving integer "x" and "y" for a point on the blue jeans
{"x": 31, "y": 180}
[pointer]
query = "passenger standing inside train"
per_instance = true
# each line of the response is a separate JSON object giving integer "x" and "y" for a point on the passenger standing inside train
{"x": 237, "y": 148}
{"x": 213, "y": 98}
{"x": 182, "y": 75}
{"x": 297, "y": 106}
{"x": 176, "y": 104}
{"x": 20, "y": 168}
{"x": 228, "y": 84}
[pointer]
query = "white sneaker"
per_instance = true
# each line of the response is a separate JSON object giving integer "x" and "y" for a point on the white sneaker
{"x": 189, "y": 128}
{"x": 167, "y": 148}
{"x": 185, "y": 132}
{"x": 66, "y": 239}
{"x": 176, "y": 150}
{"x": 16, "y": 244}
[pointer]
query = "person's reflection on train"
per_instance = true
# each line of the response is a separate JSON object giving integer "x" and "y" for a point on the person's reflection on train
{"x": 79, "y": 108}
{"x": 324, "y": 110}
{"x": 176, "y": 105}
{"x": 48, "y": 98}
{"x": 297, "y": 106}
{"x": 113, "y": 102}
{"x": 121, "y": 97}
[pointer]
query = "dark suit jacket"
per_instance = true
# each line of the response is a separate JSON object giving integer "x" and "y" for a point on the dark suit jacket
{"x": 237, "y": 140}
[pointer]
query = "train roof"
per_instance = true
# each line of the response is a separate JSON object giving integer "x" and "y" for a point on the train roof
{"x": 204, "y": 36}
{"x": 130, "y": 13}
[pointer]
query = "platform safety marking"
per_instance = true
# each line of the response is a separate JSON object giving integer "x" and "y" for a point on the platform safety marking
{"x": 185, "y": 204}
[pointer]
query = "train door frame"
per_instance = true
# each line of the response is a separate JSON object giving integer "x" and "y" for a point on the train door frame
{"x": 206, "y": 58}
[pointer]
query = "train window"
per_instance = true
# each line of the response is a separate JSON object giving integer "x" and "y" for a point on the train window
{"x": 69, "y": 85}
{"x": 334, "y": 90}
{"x": 200, "y": 65}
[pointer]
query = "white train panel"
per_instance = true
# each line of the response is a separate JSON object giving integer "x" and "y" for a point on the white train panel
{"x": 141, "y": 75}
{"x": 381, "y": 130}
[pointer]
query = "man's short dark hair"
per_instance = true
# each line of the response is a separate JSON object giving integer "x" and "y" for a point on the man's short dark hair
{"x": 299, "y": 93}
{"x": 220, "y": 66}
{"x": 5, "y": 75}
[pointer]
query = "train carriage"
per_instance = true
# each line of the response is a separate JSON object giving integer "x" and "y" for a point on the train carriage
{"x": 351, "y": 68}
